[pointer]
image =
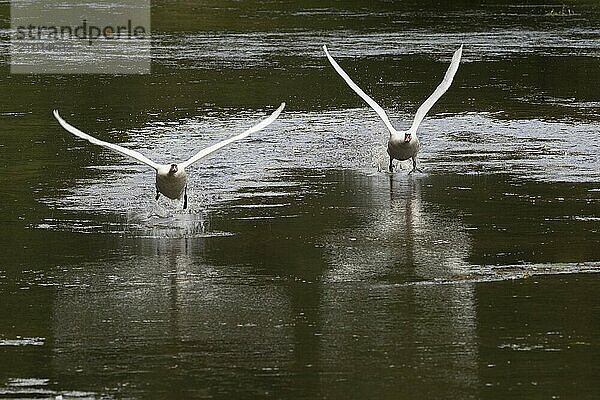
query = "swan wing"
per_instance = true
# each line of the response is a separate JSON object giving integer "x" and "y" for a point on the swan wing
{"x": 360, "y": 92}
{"x": 203, "y": 153}
{"x": 439, "y": 91}
{"x": 119, "y": 149}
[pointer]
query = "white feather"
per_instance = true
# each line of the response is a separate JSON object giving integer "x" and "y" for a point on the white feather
{"x": 423, "y": 109}
{"x": 438, "y": 92}
{"x": 119, "y": 149}
{"x": 360, "y": 92}
{"x": 203, "y": 153}
{"x": 171, "y": 180}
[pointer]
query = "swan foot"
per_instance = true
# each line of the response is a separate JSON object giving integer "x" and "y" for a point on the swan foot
{"x": 185, "y": 198}
{"x": 415, "y": 168}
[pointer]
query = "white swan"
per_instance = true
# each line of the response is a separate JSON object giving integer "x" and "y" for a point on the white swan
{"x": 403, "y": 145}
{"x": 171, "y": 179}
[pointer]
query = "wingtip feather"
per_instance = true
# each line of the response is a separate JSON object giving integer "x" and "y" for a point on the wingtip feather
{"x": 279, "y": 109}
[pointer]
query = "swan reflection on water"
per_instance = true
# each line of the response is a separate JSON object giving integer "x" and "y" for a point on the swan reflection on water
{"x": 386, "y": 274}
{"x": 404, "y": 238}
{"x": 264, "y": 295}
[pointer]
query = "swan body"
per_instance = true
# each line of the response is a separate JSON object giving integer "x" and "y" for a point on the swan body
{"x": 171, "y": 179}
{"x": 400, "y": 149}
{"x": 403, "y": 145}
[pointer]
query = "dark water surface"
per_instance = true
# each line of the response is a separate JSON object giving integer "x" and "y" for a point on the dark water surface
{"x": 300, "y": 270}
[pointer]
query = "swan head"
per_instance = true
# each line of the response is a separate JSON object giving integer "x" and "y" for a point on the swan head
{"x": 407, "y": 137}
{"x": 173, "y": 169}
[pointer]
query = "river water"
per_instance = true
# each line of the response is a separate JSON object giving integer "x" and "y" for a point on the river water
{"x": 300, "y": 270}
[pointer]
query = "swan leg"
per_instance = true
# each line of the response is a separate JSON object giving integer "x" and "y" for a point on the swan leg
{"x": 157, "y": 194}
{"x": 185, "y": 198}
{"x": 391, "y": 167}
{"x": 414, "y": 159}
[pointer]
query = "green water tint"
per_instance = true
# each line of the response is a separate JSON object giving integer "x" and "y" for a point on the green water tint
{"x": 300, "y": 271}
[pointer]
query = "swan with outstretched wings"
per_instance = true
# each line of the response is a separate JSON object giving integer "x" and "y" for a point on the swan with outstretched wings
{"x": 403, "y": 145}
{"x": 171, "y": 179}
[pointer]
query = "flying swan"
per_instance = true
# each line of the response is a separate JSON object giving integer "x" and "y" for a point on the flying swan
{"x": 171, "y": 179}
{"x": 403, "y": 145}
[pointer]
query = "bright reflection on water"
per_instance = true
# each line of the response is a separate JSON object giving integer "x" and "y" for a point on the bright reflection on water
{"x": 531, "y": 149}
{"x": 301, "y": 268}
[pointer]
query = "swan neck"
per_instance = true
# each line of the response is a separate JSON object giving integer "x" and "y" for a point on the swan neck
{"x": 398, "y": 135}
